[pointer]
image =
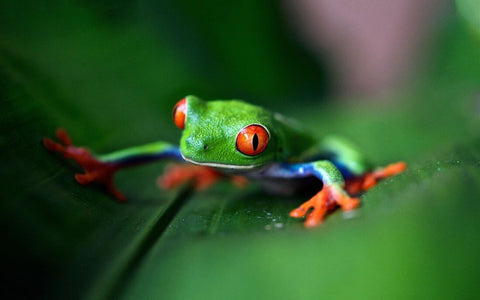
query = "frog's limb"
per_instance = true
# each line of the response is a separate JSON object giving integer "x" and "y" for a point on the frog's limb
{"x": 177, "y": 174}
{"x": 102, "y": 169}
{"x": 365, "y": 182}
{"x": 201, "y": 177}
{"x": 345, "y": 156}
{"x": 358, "y": 172}
{"x": 331, "y": 195}
{"x": 334, "y": 189}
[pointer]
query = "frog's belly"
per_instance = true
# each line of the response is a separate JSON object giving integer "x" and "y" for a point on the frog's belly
{"x": 290, "y": 186}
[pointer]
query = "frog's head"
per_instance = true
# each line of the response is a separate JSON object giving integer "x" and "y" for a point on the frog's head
{"x": 225, "y": 134}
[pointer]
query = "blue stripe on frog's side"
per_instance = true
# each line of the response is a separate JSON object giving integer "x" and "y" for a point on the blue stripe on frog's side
{"x": 290, "y": 179}
{"x": 324, "y": 170}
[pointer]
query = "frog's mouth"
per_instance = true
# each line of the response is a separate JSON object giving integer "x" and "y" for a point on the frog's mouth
{"x": 220, "y": 165}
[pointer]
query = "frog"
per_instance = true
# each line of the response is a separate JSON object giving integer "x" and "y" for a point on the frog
{"x": 241, "y": 142}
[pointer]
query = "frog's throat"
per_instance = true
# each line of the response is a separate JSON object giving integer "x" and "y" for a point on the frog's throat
{"x": 219, "y": 165}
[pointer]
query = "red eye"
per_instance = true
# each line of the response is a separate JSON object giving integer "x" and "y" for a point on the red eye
{"x": 179, "y": 113}
{"x": 252, "y": 139}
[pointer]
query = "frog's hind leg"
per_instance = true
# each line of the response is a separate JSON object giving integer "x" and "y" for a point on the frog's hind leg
{"x": 367, "y": 181}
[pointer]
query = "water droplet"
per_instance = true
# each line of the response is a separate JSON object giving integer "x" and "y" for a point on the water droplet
{"x": 349, "y": 214}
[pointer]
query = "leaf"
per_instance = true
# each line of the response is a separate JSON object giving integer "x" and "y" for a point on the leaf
{"x": 51, "y": 220}
{"x": 470, "y": 10}
{"x": 405, "y": 240}
{"x": 415, "y": 234}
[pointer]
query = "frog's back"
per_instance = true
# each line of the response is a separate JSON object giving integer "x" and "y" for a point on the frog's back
{"x": 294, "y": 141}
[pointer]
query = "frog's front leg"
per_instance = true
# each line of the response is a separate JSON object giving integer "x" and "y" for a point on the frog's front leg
{"x": 328, "y": 198}
{"x": 201, "y": 177}
{"x": 101, "y": 169}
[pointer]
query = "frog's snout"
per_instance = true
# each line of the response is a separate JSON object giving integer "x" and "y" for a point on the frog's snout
{"x": 196, "y": 144}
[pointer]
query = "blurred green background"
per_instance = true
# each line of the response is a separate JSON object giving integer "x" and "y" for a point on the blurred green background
{"x": 110, "y": 71}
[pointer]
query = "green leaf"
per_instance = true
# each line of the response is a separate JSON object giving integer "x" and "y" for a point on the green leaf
{"x": 415, "y": 235}
{"x": 470, "y": 10}
{"x": 112, "y": 82}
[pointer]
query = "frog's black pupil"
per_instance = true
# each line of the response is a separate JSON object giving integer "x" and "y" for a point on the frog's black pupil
{"x": 255, "y": 142}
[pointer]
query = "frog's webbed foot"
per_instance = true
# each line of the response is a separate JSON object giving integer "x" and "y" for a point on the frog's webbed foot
{"x": 369, "y": 180}
{"x": 324, "y": 201}
{"x": 200, "y": 176}
{"x": 95, "y": 170}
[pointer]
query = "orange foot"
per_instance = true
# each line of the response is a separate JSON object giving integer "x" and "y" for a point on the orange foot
{"x": 95, "y": 170}
{"x": 201, "y": 177}
{"x": 369, "y": 180}
{"x": 326, "y": 200}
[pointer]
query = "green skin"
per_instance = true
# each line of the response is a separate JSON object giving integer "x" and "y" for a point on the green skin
{"x": 282, "y": 157}
{"x": 209, "y": 139}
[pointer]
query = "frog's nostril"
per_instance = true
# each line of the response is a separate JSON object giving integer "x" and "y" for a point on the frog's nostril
{"x": 205, "y": 147}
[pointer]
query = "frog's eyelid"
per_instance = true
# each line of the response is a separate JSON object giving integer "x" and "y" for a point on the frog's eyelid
{"x": 179, "y": 113}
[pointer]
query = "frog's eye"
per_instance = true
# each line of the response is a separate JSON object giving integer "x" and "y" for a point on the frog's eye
{"x": 179, "y": 113}
{"x": 252, "y": 139}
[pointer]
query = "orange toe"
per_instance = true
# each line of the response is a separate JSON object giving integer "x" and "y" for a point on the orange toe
{"x": 324, "y": 201}
{"x": 369, "y": 180}
{"x": 95, "y": 170}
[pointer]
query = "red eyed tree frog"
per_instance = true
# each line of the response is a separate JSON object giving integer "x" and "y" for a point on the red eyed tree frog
{"x": 232, "y": 139}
